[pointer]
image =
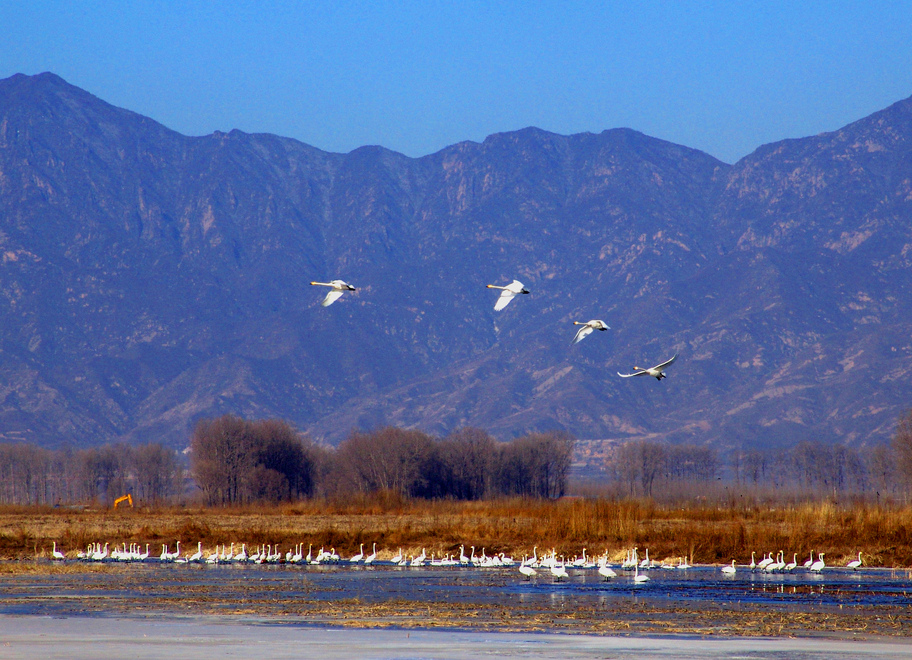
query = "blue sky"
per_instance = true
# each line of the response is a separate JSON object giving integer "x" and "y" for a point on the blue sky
{"x": 724, "y": 77}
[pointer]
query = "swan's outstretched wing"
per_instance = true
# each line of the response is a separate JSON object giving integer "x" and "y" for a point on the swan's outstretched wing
{"x": 332, "y": 297}
{"x": 507, "y": 293}
{"x": 667, "y": 363}
{"x": 582, "y": 333}
{"x": 505, "y": 297}
{"x": 641, "y": 372}
{"x": 516, "y": 286}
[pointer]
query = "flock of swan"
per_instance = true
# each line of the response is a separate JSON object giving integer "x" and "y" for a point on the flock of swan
{"x": 507, "y": 294}
{"x": 529, "y": 567}
{"x": 770, "y": 565}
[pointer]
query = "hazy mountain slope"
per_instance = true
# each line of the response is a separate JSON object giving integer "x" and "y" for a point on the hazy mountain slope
{"x": 150, "y": 279}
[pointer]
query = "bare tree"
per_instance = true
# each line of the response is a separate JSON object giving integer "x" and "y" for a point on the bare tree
{"x": 627, "y": 467}
{"x": 468, "y": 462}
{"x": 222, "y": 459}
{"x": 157, "y": 472}
{"x": 640, "y": 463}
{"x": 236, "y": 461}
{"x": 388, "y": 459}
{"x": 902, "y": 448}
{"x": 882, "y": 470}
{"x": 103, "y": 472}
{"x": 756, "y": 466}
{"x": 536, "y": 465}
{"x": 24, "y": 474}
{"x": 285, "y": 467}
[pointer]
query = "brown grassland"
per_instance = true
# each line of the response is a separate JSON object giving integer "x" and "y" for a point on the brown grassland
{"x": 706, "y": 533}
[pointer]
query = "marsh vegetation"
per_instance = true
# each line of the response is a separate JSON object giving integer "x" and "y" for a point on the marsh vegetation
{"x": 707, "y": 533}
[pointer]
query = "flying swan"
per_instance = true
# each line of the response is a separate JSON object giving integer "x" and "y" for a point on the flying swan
{"x": 656, "y": 372}
{"x": 338, "y": 288}
{"x": 588, "y": 328}
{"x": 507, "y": 293}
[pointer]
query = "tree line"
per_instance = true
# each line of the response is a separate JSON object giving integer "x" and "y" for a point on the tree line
{"x": 236, "y": 461}
{"x": 34, "y": 475}
{"x": 233, "y": 461}
{"x": 645, "y": 468}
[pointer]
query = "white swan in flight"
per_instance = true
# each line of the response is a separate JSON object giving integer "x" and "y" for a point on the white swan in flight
{"x": 588, "y": 328}
{"x": 338, "y": 287}
{"x": 657, "y": 372}
{"x": 507, "y": 293}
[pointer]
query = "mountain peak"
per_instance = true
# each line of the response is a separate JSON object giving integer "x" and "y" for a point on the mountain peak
{"x": 151, "y": 279}
{"x": 39, "y": 83}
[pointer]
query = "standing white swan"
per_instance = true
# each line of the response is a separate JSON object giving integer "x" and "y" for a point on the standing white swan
{"x": 588, "y": 328}
{"x": 338, "y": 288}
{"x": 657, "y": 372}
{"x": 818, "y": 565}
{"x": 358, "y": 557}
{"x": 855, "y": 563}
{"x": 792, "y": 565}
{"x": 56, "y": 554}
{"x": 198, "y": 555}
{"x": 507, "y": 293}
{"x": 559, "y": 570}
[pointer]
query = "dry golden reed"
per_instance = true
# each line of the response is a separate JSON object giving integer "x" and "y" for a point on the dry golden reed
{"x": 710, "y": 534}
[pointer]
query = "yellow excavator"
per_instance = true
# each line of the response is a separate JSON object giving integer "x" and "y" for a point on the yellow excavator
{"x": 126, "y": 498}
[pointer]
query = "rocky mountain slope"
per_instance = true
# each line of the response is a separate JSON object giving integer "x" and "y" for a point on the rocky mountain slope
{"x": 150, "y": 279}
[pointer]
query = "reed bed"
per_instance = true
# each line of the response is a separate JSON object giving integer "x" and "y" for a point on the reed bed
{"x": 703, "y": 533}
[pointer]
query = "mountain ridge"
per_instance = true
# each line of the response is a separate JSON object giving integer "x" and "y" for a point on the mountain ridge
{"x": 151, "y": 279}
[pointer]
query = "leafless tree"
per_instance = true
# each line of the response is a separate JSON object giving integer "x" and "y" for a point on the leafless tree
{"x": 468, "y": 461}
{"x": 157, "y": 472}
{"x": 535, "y": 465}
{"x": 882, "y": 470}
{"x": 640, "y": 463}
{"x": 389, "y": 459}
{"x": 24, "y": 473}
{"x": 285, "y": 464}
{"x": 756, "y": 466}
{"x": 102, "y": 472}
{"x": 235, "y": 461}
{"x": 902, "y": 449}
{"x": 221, "y": 457}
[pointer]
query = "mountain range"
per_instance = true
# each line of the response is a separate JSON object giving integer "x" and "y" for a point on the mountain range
{"x": 151, "y": 279}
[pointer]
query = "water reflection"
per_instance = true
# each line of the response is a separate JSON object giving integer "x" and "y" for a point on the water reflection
{"x": 500, "y": 586}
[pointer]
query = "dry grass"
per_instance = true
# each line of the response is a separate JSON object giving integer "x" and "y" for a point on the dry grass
{"x": 514, "y": 526}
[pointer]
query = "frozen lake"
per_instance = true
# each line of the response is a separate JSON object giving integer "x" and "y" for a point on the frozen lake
{"x": 150, "y": 609}
{"x": 701, "y": 585}
{"x": 203, "y": 638}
